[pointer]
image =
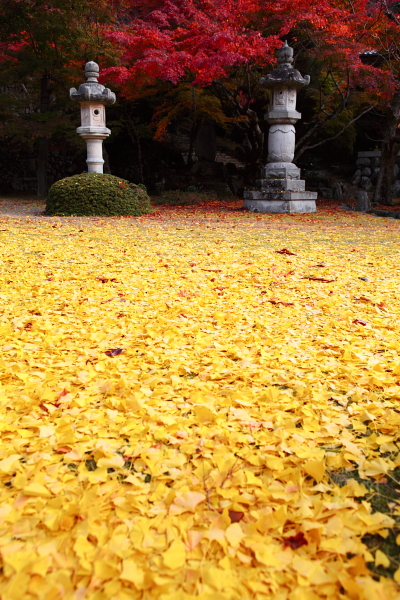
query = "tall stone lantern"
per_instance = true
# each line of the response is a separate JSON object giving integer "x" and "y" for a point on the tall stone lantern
{"x": 281, "y": 190}
{"x": 93, "y": 98}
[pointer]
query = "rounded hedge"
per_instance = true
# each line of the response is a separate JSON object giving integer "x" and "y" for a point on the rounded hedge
{"x": 96, "y": 194}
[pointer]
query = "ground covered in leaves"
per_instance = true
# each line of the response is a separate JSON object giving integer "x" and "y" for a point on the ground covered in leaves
{"x": 200, "y": 403}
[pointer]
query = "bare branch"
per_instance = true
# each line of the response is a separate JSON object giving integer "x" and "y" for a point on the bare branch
{"x": 343, "y": 128}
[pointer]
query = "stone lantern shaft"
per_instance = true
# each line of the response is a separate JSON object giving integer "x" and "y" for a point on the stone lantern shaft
{"x": 93, "y": 97}
{"x": 281, "y": 189}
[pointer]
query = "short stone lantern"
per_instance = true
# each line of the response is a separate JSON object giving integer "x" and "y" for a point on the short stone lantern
{"x": 281, "y": 190}
{"x": 93, "y": 98}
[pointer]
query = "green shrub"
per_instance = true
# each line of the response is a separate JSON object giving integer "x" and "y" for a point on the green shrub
{"x": 95, "y": 194}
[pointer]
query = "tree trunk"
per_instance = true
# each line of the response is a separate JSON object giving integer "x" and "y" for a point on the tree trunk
{"x": 389, "y": 150}
{"x": 193, "y": 134}
{"x": 43, "y": 143}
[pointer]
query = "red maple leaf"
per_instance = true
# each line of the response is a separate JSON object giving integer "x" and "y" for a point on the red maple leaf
{"x": 295, "y": 541}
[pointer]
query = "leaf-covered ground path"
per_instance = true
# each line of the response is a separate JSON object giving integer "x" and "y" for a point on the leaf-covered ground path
{"x": 195, "y": 403}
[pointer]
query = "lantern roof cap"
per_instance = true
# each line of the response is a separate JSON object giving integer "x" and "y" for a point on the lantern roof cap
{"x": 284, "y": 74}
{"x": 92, "y": 91}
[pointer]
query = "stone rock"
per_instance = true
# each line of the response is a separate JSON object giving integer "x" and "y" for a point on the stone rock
{"x": 375, "y": 162}
{"x": 396, "y": 189}
{"x": 356, "y": 177}
{"x": 363, "y": 162}
{"x": 396, "y": 171}
{"x": 235, "y": 183}
{"x": 363, "y": 202}
{"x": 348, "y": 191}
{"x": 366, "y": 184}
{"x": 366, "y": 172}
{"x": 374, "y": 175}
{"x": 326, "y": 193}
{"x": 337, "y": 191}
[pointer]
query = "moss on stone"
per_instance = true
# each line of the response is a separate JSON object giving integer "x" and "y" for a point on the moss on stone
{"x": 96, "y": 194}
{"x": 383, "y": 496}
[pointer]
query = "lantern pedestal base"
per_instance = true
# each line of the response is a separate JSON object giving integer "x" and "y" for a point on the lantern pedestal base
{"x": 280, "y": 196}
{"x": 280, "y": 206}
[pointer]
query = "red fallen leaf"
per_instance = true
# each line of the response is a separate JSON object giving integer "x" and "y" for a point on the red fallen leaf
{"x": 295, "y": 541}
{"x": 280, "y": 302}
{"x": 212, "y": 270}
{"x": 360, "y": 322}
{"x": 362, "y": 299}
{"x": 157, "y": 446}
{"x": 113, "y": 351}
{"x": 235, "y": 515}
{"x": 318, "y": 265}
{"x": 319, "y": 279}
{"x": 28, "y": 326}
{"x": 381, "y": 480}
{"x": 219, "y": 288}
{"x": 63, "y": 449}
{"x": 183, "y": 293}
{"x": 285, "y": 251}
{"x": 103, "y": 279}
{"x": 382, "y": 306}
{"x": 63, "y": 393}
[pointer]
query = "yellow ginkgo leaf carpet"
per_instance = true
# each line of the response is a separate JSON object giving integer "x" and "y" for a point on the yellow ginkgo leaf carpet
{"x": 199, "y": 405}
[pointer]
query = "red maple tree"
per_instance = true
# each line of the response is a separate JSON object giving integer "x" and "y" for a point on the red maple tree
{"x": 208, "y": 42}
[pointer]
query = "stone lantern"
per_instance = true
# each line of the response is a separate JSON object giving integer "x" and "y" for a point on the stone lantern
{"x": 93, "y": 97}
{"x": 281, "y": 190}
